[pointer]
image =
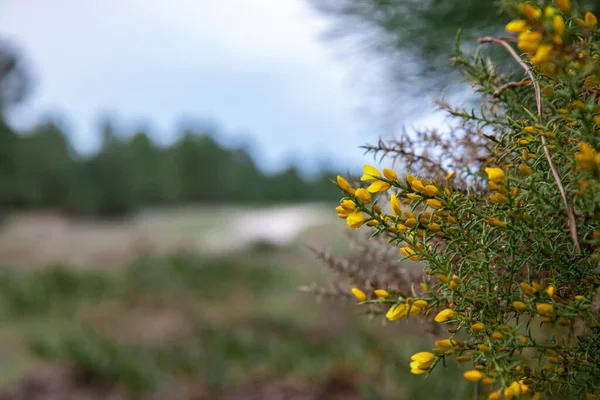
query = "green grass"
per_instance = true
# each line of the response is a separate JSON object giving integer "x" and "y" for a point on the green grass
{"x": 156, "y": 322}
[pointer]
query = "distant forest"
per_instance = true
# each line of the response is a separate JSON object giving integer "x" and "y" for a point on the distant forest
{"x": 40, "y": 169}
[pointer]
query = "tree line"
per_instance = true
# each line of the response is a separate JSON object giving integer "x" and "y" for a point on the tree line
{"x": 40, "y": 169}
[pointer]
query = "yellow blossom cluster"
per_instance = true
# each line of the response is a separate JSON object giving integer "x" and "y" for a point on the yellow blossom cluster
{"x": 510, "y": 268}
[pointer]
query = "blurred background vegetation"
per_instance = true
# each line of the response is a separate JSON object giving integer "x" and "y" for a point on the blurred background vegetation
{"x": 188, "y": 303}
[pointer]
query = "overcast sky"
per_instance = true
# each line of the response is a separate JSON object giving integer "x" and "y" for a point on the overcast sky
{"x": 259, "y": 69}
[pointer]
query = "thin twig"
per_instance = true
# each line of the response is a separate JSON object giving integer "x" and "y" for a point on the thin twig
{"x": 538, "y": 100}
{"x": 502, "y": 88}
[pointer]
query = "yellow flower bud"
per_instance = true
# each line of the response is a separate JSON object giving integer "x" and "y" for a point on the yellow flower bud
{"x": 462, "y": 359}
{"x": 478, "y": 326}
{"x": 473, "y": 375}
{"x": 378, "y": 187}
{"x": 381, "y": 293}
{"x": 517, "y": 26}
{"x": 544, "y": 308}
{"x": 396, "y": 312}
{"x": 590, "y": 19}
{"x": 355, "y": 220}
{"x": 359, "y": 294}
{"x": 344, "y": 185}
{"x": 558, "y": 24}
{"x": 363, "y": 195}
{"x": 498, "y": 198}
{"x": 495, "y": 175}
{"x": 495, "y": 222}
{"x": 435, "y": 204}
{"x": 421, "y": 303}
{"x": 390, "y": 174}
{"x": 519, "y": 305}
{"x": 525, "y": 169}
{"x": 451, "y": 175}
{"x": 497, "y": 335}
{"x": 564, "y": 5}
{"x": 395, "y": 205}
{"x": 494, "y": 396}
{"x": 488, "y": 380}
{"x": 444, "y": 315}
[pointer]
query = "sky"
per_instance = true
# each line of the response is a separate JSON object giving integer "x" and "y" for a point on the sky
{"x": 258, "y": 70}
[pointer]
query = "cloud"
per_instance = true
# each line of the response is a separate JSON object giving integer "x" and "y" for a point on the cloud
{"x": 251, "y": 66}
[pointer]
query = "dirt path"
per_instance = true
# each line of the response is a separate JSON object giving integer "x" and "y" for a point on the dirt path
{"x": 39, "y": 238}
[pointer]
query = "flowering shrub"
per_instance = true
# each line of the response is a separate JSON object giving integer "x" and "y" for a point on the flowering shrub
{"x": 503, "y": 212}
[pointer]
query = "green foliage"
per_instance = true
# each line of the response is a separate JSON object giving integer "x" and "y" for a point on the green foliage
{"x": 415, "y": 38}
{"x": 102, "y": 358}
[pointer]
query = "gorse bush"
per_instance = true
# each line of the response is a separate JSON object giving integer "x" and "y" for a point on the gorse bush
{"x": 503, "y": 212}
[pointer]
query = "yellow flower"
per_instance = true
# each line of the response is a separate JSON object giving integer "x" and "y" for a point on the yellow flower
{"x": 396, "y": 312}
{"x": 473, "y": 375}
{"x": 542, "y": 55}
{"x": 533, "y": 13}
{"x": 348, "y": 205}
{"x": 453, "y": 284}
{"x": 549, "y": 11}
{"x": 495, "y": 175}
{"x": 586, "y": 156}
{"x": 498, "y": 198}
{"x": 418, "y": 186}
{"x": 445, "y": 343}
{"x": 359, "y": 294}
{"x": 495, "y": 222}
{"x": 344, "y": 185}
{"x": 435, "y": 204}
{"x": 517, "y": 26}
{"x": 355, "y": 220}
{"x": 431, "y": 190}
{"x": 451, "y": 175}
{"x": 544, "y": 308}
{"x": 370, "y": 173}
{"x": 497, "y": 335}
{"x": 378, "y": 187}
{"x": 444, "y": 315}
{"x": 395, "y": 205}
{"x": 390, "y": 174}
{"x": 488, "y": 380}
{"x": 363, "y": 195}
{"x": 550, "y": 291}
{"x": 420, "y": 303}
{"x": 494, "y": 396}
{"x": 484, "y": 348}
{"x": 478, "y": 326}
{"x": 558, "y": 24}
{"x": 590, "y": 19}
{"x": 408, "y": 252}
{"x": 525, "y": 169}
{"x": 519, "y": 305}
{"x": 529, "y": 41}
{"x": 414, "y": 197}
{"x": 564, "y": 5}
{"x": 381, "y": 293}
{"x": 421, "y": 362}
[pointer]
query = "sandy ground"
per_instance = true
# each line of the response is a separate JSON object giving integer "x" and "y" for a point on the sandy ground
{"x": 36, "y": 238}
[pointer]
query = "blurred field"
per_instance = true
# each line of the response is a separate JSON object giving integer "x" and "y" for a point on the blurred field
{"x": 189, "y": 304}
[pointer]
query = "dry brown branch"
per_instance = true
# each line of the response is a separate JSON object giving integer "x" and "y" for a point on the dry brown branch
{"x": 538, "y": 100}
{"x": 508, "y": 85}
